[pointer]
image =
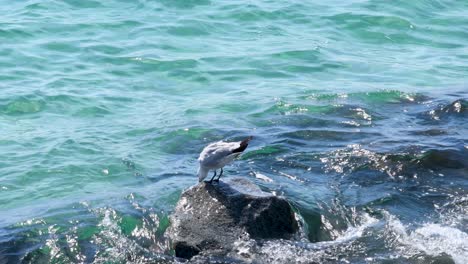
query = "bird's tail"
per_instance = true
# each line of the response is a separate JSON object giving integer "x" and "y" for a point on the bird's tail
{"x": 202, "y": 173}
{"x": 243, "y": 145}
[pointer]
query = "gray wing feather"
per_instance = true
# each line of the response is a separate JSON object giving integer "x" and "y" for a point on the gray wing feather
{"x": 218, "y": 153}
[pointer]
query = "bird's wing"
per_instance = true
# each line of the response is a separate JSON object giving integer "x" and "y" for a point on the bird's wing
{"x": 215, "y": 152}
{"x": 222, "y": 152}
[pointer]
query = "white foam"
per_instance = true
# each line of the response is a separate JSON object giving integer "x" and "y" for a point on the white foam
{"x": 433, "y": 239}
{"x": 298, "y": 252}
{"x": 355, "y": 232}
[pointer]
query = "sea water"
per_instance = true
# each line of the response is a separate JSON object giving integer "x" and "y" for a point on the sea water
{"x": 358, "y": 111}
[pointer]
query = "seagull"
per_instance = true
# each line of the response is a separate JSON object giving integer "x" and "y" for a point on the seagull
{"x": 217, "y": 155}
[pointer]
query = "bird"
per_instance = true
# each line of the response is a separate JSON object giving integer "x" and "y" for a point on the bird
{"x": 217, "y": 155}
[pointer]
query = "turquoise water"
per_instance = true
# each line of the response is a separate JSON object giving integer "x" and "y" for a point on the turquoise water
{"x": 358, "y": 110}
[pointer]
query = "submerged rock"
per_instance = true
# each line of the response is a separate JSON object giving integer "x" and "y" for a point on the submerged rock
{"x": 211, "y": 218}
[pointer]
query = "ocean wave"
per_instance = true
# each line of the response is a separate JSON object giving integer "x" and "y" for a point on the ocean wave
{"x": 434, "y": 239}
{"x": 455, "y": 109}
{"x": 355, "y": 158}
{"x": 23, "y": 106}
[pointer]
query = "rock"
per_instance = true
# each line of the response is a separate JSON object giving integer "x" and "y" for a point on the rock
{"x": 212, "y": 217}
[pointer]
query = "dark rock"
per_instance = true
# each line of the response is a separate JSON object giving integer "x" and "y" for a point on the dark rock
{"x": 212, "y": 217}
{"x": 183, "y": 250}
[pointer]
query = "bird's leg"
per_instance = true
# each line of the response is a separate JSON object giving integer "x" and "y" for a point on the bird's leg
{"x": 214, "y": 175}
{"x": 220, "y": 174}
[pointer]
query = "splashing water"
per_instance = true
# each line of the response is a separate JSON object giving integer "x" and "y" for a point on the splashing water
{"x": 358, "y": 110}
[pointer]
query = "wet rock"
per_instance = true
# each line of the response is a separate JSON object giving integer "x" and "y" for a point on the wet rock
{"x": 211, "y": 218}
{"x": 447, "y": 158}
{"x": 454, "y": 109}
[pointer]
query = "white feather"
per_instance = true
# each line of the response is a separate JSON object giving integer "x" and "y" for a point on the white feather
{"x": 215, "y": 156}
